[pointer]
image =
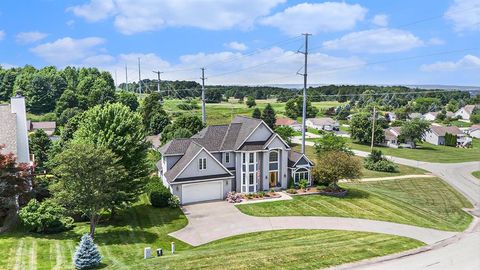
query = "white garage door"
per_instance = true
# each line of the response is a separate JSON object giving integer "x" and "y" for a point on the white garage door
{"x": 205, "y": 191}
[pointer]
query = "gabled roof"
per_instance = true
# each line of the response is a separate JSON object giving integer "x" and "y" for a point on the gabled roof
{"x": 389, "y": 135}
{"x": 474, "y": 127}
{"x": 470, "y": 108}
{"x": 175, "y": 147}
{"x": 324, "y": 121}
{"x": 441, "y": 131}
{"x": 285, "y": 122}
{"x": 294, "y": 157}
{"x": 192, "y": 151}
{"x": 248, "y": 126}
{"x": 211, "y": 137}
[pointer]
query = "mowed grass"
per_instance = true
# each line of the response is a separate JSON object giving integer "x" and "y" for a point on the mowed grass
{"x": 429, "y": 152}
{"x": 285, "y": 249}
{"x": 425, "y": 202}
{"x": 224, "y": 112}
{"x": 121, "y": 243}
{"x": 476, "y": 174}
{"x": 402, "y": 169}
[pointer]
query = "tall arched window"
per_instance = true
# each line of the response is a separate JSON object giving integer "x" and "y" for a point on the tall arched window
{"x": 273, "y": 161}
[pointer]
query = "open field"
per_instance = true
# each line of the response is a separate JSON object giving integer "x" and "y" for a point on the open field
{"x": 425, "y": 202}
{"x": 286, "y": 249}
{"x": 402, "y": 169}
{"x": 223, "y": 113}
{"x": 121, "y": 244}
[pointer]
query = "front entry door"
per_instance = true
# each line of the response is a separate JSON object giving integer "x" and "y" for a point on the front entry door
{"x": 273, "y": 177}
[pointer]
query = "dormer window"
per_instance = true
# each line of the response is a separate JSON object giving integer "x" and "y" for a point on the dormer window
{"x": 202, "y": 164}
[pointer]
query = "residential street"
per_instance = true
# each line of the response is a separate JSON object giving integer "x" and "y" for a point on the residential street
{"x": 461, "y": 252}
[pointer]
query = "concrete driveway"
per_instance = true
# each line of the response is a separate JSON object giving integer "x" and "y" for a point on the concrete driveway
{"x": 216, "y": 220}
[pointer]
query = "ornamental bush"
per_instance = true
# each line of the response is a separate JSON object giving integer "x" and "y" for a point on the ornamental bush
{"x": 377, "y": 162}
{"x": 86, "y": 255}
{"x": 233, "y": 197}
{"x": 303, "y": 184}
{"x": 45, "y": 217}
{"x": 174, "y": 201}
{"x": 158, "y": 194}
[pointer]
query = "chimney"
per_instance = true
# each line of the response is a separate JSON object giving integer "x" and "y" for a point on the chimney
{"x": 17, "y": 105}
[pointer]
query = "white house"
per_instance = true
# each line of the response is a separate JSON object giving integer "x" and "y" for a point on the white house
{"x": 436, "y": 135}
{"x": 432, "y": 116}
{"x": 466, "y": 111}
{"x": 325, "y": 123}
{"x": 288, "y": 122}
{"x": 13, "y": 129}
{"x": 244, "y": 156}
{"x": 390, "y": 116}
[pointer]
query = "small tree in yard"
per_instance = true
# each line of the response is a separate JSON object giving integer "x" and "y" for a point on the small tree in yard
{"x": 257, "y": 113}
{"x": 268, "y": 116}
{"x": 413, "y": 131}
{"x": 336, "y": 165}
{"x": 250, "y": 102}
{"x": 88, "y": 180}
{"x": 286, "y": 133}
{"x": 86, "y": 255}
{"x": 330, "y": 142}
{"x": 39, "y": 145}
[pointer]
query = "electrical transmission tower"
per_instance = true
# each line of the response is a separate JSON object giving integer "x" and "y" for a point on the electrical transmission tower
{"x": 304, "y": 111}
{"x": 158, "y": 80}
{"x": 204, "y": 116}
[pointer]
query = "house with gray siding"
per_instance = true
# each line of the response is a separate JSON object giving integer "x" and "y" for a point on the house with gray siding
{"x": 244, "y": 156}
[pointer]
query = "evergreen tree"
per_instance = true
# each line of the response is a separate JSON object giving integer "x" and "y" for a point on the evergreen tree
{"x": 39, "y": 146}
{"x": 86, "y": 255}
{"x": 257, "y": 113}
{"x": 268, "y": 116}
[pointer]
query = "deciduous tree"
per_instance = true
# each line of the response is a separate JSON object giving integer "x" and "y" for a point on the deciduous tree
{"x": 335, "y": 166}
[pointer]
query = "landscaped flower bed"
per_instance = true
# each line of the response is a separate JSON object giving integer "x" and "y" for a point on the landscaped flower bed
{"x": 233, "y": 197}
{"x": 318, "y": 190}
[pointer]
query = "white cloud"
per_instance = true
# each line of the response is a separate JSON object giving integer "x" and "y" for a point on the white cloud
{"x": 2, "y": 34}
{"x": 235, "y": 45}
{"x": 380, "y": 20}
{"x": 382, "y": 40}
{"x": 30, "y": 37}
{"x": 316, "y": 18}
{"x": 465, "y": 15}
{"x": 68, "y": 50}
{"x": 436, "y": 41}
{"x": 467, "y": 62}
{"x": 95, "y": 10}
{"x": 132, "y": 16}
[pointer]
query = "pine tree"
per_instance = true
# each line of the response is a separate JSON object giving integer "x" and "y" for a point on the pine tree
{"x": 86, "y": 255}
{"x": 257, "y": 113}
{"x": 268, "y": 116}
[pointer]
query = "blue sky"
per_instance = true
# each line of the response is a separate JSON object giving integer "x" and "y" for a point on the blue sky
{"x": 250, "y": 41}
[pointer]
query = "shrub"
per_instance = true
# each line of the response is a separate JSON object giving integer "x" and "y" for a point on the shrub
{"x": 174, "y": 201}
{"x": 86, "y": 255}
{"x": 291, "y": 191}
{"x": 383, "y": 165}
{"x": 45, "y": 217}
{"x": 233, "y": 197}
{"x": 158, "y": 194}
{"x": 261, "y": 194}
{"x": 303, "y": 184}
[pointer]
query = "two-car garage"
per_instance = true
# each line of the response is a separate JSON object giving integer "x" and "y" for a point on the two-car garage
{"x": 203, "y": 191}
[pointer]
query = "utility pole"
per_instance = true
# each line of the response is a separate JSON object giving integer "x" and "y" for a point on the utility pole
{"x": 158, "y": 81}
{"x": 126, "y": 78}
{"x": 204, "y": 116}
{"x": 373, "y": 127}
{"x": 139, "y": 76}
{"x": 116, "y": 82}
{"x": 304, "y": 111}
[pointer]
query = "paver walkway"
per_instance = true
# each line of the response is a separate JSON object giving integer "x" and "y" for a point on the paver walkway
{"x": 216, "y": 220}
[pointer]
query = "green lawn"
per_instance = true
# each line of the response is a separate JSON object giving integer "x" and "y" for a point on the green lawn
{"x": 425, "y": 202}
{"x": 286, "y": 249}
{"x": 476, "y": 174}
{"x": 429, "y": 152}
{"x": 223, "y": 113}
{"x": 402, "y": 169}
{"x": 121, "y": 244}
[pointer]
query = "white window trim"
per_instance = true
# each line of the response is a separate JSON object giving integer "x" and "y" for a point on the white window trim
{"x": 245, "y": 188}
{"x": 294, "y": 173}
{"x": 202, "y": 164}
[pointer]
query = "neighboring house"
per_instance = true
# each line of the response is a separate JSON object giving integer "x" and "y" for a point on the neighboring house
{"x": 392, "y": 135}
{"x": 466, "y": 111}
{"x": 288, "y": 122}
{"x": 436, "y": 135}
{"x": 13, "y": 129}
{"x": 49, "y": 127}
{"x": 325, "y": 123}
{"x": 415, "y": 115}
{"x": 432, "y": 116}
{"x": 244, "y": 156}
{"x": 474, "y": 131}
{"x": 154, "y": 140}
